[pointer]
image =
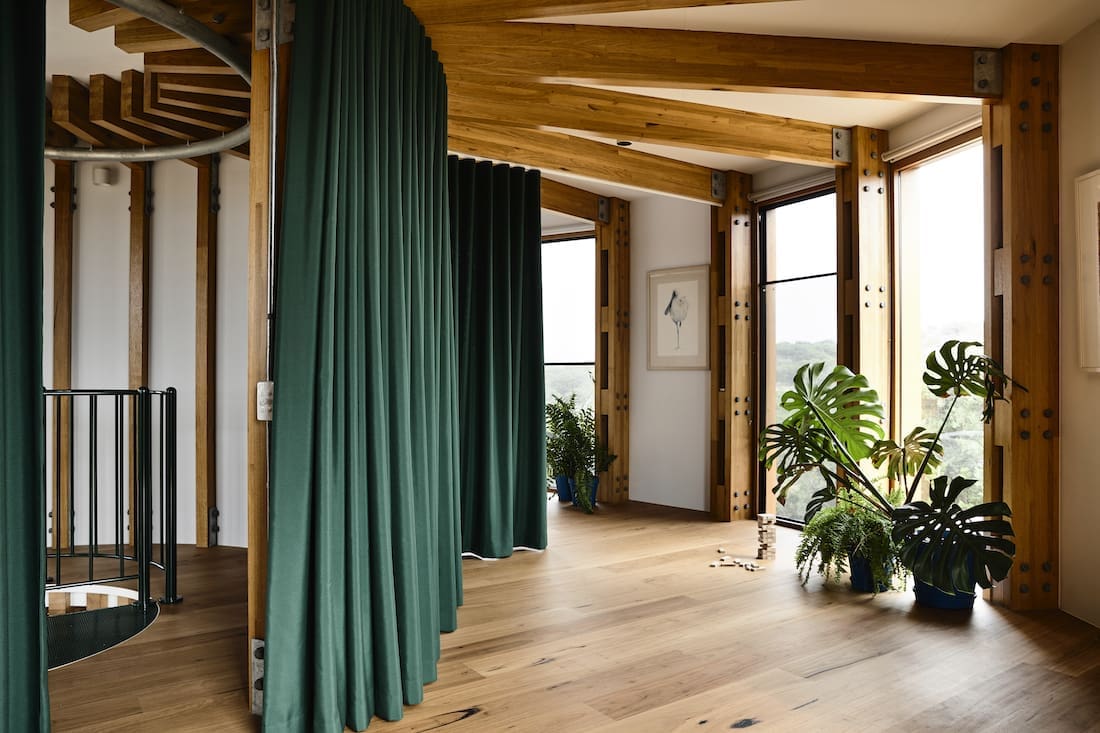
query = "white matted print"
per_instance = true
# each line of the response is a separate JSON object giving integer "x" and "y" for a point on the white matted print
{"x": 1088, "y": 271}
{"x": 679, "y": 318}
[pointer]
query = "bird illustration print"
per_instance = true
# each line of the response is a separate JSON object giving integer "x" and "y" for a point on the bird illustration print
{"x": 677, "y": 310}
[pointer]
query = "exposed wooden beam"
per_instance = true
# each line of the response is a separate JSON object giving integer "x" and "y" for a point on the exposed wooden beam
{"x": 105, "y": 110}
{"x": 189, "y": 61}
{"x": 56, "y": 135}
{"x": 219, "y": 85}
{"x": 226, "y": 17}
{"x": 570, "y": 200}
{"x": 553, "y": 151}
{"x": 227, "y": 106}
{"x": 449, "y": 11}
{"x": 206, "y": 300}
{"x": 640, "y": 118}
{"x": 70, "y": 103}
{"x": 704, "y": 60}
{"x": 154, "y": 105}
{"x": 94, "y": 15}
{"x": 133, "y": 110}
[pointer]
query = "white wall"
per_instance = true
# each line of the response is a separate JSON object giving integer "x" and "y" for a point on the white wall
{"x": 1080, "y": 399}
{"x": 100, "y": 315}
{"x": 669, "y": 410}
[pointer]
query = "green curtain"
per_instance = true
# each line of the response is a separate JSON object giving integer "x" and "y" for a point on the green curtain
{"x": 365, "y": 562}
{"x": 24, "y": 703}
{"x": 497, "y": 233}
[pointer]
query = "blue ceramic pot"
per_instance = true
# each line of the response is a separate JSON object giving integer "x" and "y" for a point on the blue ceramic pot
{"x": 862, "y": 579}
{"x": 565, "y": 489}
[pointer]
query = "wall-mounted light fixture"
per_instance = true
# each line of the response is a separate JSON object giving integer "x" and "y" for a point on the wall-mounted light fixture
{"x": 104, "y": 175}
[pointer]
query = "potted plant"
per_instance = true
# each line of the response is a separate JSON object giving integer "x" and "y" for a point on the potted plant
{"x": 849, "y": 537}
{"x": 574, "y": 453}
{"x": 833, "y": 431}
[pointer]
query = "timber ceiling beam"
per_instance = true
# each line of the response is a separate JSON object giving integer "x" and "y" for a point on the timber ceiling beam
{"x": 566, "y": 199}
{"x": 448, "y": 11}
{"x": 226, "y": 17}
{"x": 551, "y": 151}
{"x": 133, "y": 110}
{"x": 641, "y": 118}
{"x": 70, "y": 106}
{"x": 188, "y": 61}
{"x": 222, "y": 86}
{"x": 576, "y": 54}
{"x": 105, "y": 110}
{"x": 155, "y": 105}
{"x": 95, "y": 15}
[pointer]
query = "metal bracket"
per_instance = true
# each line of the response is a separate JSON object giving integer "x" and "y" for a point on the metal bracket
{"x": 718, "y": 185}
{"x": 215, "y": 189}
{"x": 842, "y": 145}
{"x": 258, "y": 647}
{"x": 988, "y": 72}
{"x": 264, "y": 15}
{"x": 212, "y": 515}
{"x": 603, "y": 210}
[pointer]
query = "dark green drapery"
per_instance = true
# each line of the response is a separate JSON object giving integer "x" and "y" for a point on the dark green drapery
{"x": 497, "y": 233}
{"x": 365, "y": 567}
{"x": 24, "y": 705}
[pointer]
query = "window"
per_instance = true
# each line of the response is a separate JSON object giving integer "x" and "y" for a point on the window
{"x": 569, "y": 318}
{"x": 941, "y": 295}
{"x": 798, "y": 276}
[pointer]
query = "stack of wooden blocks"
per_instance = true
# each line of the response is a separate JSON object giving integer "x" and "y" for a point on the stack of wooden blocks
{"x": 765, "y": 528}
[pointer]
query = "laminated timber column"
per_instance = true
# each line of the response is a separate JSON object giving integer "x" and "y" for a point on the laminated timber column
{"x": 141, "y": 214}
{"x": 864, "y": 321}
{"x": 206, "y": 301}
{"x": 613, "y": 343}
{"x": 260, "y": 324}
{"x": 1021, "y": 147}
{"x": 64, "y": 204}
{"x": 732, "y": 356}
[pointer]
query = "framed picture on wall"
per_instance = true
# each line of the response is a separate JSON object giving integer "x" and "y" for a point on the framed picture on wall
{"x": 1088, "y": 271}
{"x": 679, "y": 318}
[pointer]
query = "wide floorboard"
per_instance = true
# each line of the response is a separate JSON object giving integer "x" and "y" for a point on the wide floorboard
{"x": 623, "y": 627}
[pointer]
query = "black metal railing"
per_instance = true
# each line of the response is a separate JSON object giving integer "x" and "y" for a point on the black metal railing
{"x": 138, "y": 460}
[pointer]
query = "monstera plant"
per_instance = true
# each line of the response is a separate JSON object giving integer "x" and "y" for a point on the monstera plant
{"x": 833, "y": 432}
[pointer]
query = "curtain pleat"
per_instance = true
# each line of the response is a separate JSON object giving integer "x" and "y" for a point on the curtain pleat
{"x": 365, "y": 566}
{"x": 497, "y": 234}
{"x": 24, "y": 703}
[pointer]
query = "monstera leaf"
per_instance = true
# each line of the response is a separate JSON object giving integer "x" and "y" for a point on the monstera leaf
{"x": 905, "y": 459}
{"x": 794, "y": 449}
{"x": 840, "y": 402}
{"x": 954, "y": 372}
{"x": 950, "y": 547}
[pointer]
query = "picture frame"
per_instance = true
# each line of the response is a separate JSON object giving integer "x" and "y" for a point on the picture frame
{"x": 1088, "y": 270}
{"x": 679, "y": 318}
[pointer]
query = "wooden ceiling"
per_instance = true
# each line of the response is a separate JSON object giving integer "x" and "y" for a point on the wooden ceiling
{"x": 518, "y": 89}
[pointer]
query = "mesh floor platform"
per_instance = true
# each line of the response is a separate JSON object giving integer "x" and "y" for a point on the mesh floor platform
{"x": 74, "y": 636}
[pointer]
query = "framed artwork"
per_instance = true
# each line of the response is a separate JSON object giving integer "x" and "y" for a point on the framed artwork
{"x": 1088, "y": 271}
{"x": 679, "y": 318}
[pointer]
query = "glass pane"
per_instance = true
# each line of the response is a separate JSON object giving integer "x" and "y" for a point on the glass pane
{"x": 942, "y": 296}
{"x": 802, "y": 330}
{"x": 566, "y": 380}
{"x": 569, "y": 300}
{"x": 802, "y": 238}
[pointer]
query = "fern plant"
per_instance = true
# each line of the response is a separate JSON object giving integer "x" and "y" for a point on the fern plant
{"x": 833, "y": 432}
{"x": 842, "y": 532}
{"x": 573, "y": 447}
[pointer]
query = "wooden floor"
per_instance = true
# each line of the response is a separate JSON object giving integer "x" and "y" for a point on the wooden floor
{"x": 622, "y": 627}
